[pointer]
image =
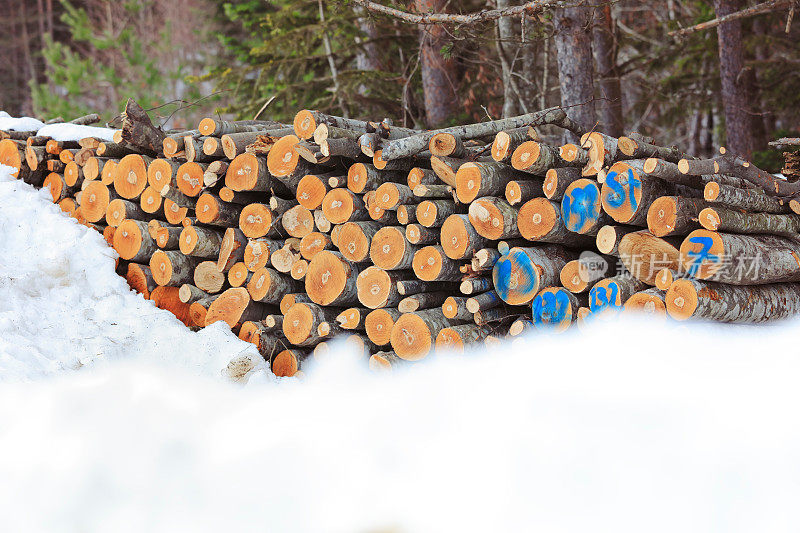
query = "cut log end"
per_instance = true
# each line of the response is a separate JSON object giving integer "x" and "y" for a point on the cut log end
{"x": 411, "y": 338}
{"x": 681, "y": 299}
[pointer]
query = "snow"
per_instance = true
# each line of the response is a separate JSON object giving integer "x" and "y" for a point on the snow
{"x": 627, "y": 426}
{"x": 63, "y": 131}
{"x": 74, "y": 132}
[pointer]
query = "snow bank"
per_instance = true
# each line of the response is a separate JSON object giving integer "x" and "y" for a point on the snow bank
{"x": 62, "y": 305}
{"x": 75, "y": 132}
{"x": 628, "y": 426}
{"x": 61, "y": 131}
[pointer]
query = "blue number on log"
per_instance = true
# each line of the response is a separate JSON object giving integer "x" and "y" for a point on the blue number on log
{"x": 618, "y": 193}
{"x": 581, "y": 203}
{"x": 603, "y": 297}
{"x": 702, "y": 255}
{"x": 550, "y": 307}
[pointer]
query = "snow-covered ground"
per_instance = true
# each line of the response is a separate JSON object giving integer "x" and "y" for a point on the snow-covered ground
{"x": 62, "y": 131}
{"x": 115, "y": 418}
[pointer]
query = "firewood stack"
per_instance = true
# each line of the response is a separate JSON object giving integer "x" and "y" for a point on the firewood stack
{"x": 406, "y": 241}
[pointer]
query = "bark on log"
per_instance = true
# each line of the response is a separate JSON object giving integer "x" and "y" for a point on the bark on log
{"x": 342, "y": 205}
{"x": 133, "y": 242}
{"x": 433, "y": 213}
{"x": 518, "y": 192}
{"x": 379, "y": 324}
{"x": 557, "y": 180}
{"x": 644, "y": 255}
{"x": 200, "y": 242}
{"x": 248, "y": 172}
{"x": 459, "y": 237}
{"x": 331, "y": 279}
{"x": 493, "y": 219}
{"x": 610, "y": 294}
{"x": 704, "y": 300}
{"x": 540, "y": 220}
{"x": 270, "y": 286}
{"x": 719, "y": 218}
{"x": 417, "y": 234}
{"x": 211, "y": 210}
{"x": 413, "y": 334}
{"x": 674, "y": 215}
{"x": 474, "y": 180}
{"x": 233, "y": 307}
{"x": 431, "y": 264}
{"x": 171, "y": 268}
{"x": 749, "y": 199}
{"x": 231, "y": 250}
{"x": 390, "y": 250}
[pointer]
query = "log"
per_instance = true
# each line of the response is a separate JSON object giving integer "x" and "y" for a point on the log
{"x": 303, "y": 324}
{"x": 189, "y": 178}
{"x": 626, "y": 195}
{"x": 355, "y": 239}
{"x": 257, "y": 252}
{"x": 267, "y": 285}
{"x": 719, "y": 218}
{"x": 609, "y": 237}
{"x": 237, "y": 143}
{"x": 431, "y": 264}
{"x": 417, "y": 234}
{"x": 674, "y": 215}
{"x": 540, "y": 220}
{"x": 231, "y": 249}
{"x": 362, "y": 177}
{"x": 459, "y": 236}
{"x": 189, "y": 293}
{"x": 518, "y": 192}
{"x": 579, "y": 275}
{"x": 352, "y": 318}
{"x": 457, "y": 338}
{"x": 406, "y": 214}
{"x": 218, "y": 128}
{"x": 293, "y": 298}
{"x": 648, "y": 302}
{"x": 601, "y": 149}
{"x": 384, "y": 361}
{"x": 133, "y": 242}
{"x": 130, "y": 176}
{"x": 420, "y": 301}
{"x": 313, "y": 243}
{"x": 455, "y": 308}
{"x": 505, "y": 142}
{"x": 413, "y": 334}
{"x": 284, "y": 164}
{"x": 608, "y": 295}
{"x": 749, "y": 199}
{"x": 414, "y": 144}
{"x": 211, "y": 210}
{"x": 174, "y": 213}
{"x": 636, "y": 149}
{"x": 200, "y": 242}
{"x": 119, "y": 210}
{"x": 421, "y": 176}
{"x": 172, "y": 268}
{"x": 476, "y": 285}
{"x": 298, "y": 221}
{"x": 94, "y": 166}
{"x": 306, "y": 122}
{"x": 138, "y": 130}
{"x": 233, "y": 307}
{"x": 257, "y": 220}
{"x": 433, "y": 213}
{"x": 705, "y": 300}
{"x": 168, "y": 237}
{"x": 484, "y": 259}
{"x": 644, "y": 255}
{"x": 248, "y": 172}
{"x": 342, "y": 205}
{"x": 580, "y": 208}
{"x": 378, "y": 288}
{"x": 288, "y": 363}
{"x": 151, "y": 202}
{"x": 379, "y": 324}
{"x": 108, "y": 172}
{"x": 391, "y": 195}
{"x": 493, "y": 219}
{"x": 740, "y": 259}
{"x": 483, "y": 302}
{"x": 140, "y": 279}
{"x": 95, "y": 199}
{"x": 167, "y": 298}
{"x": 390, "y": 250}
{"x": 483, "y": 318}
{"x": 311, "y": 189}
{"x": 331, "y": 279}
{"x": 738, "y": 167}
{"x": 519, "y": 275}
{"x": 324, "y": 132}
{"x": 208, "y": 278}
{"x": 537, "y": 158}
{"x": 73, "y": 175}
{"x": 555, "y": 309}
{"x": 477, "y": 179}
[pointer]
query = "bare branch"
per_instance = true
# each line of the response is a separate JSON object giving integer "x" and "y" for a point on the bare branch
{"x": 527, "y": 8}
{"x": 765, "y": 7}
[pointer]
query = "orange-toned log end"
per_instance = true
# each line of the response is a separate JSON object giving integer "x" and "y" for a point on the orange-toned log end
{"x": 10, "y": 155}
{"x": 55, "y": 186}
{"x": 455, "y": 237}
{"x": 374, "y": 287}
{"x": 207, "y": 208}
{"x": 130, "y": 176}
{"x": 72, "y": 172}
{"x": 174, "y": 213}
{"x": 711, "y": 191}
{"x": 298, "y": 221}
{"x": 228, "y": 307}
{"x": 286, "y": 363}
{"x": 606, "y": 239}
{"x": 661, "y": 216}
{"x": 378, "y": 161}
{"x": 357, "y": 177}
{"x": 513, "y": 192}
{"x": 94, "y": 201}
{"x": 411, "y": 339}
{"x": 354, "y": 243}
{"x": 310, "y": 191}
{"x": 525, "y": 154}
{"x": 683, "y": 166}
{"x": 298, "y": 323}
{"x": 140, "y": 279}
{"x": 571, "y": 278}
{"x": 67, "y": 205}
{"x": 207, "y": 126}
{"x": 150, "y": 200}
{"x": 379, "y": 324}
{"x": 388, "y": 247}
{"x": 351, "y": 318}
{"x": 116, "y": 212}
{"x": 501, "y": 145}
{"x": 468, "y": 183}
{"x": 161, "y": 267}
{"x": 304, "y": 124}
{"x": 387, "y": 196}
{"x": 249, "y": 332}
{"x": 381, "y": 361}
{"x": 283, "y": 157}
{"x": 338, "y": 206}
{"x": 314, "y": 243}
{"x": 159, "y": 174}
{"x": 167, "y": 298}
{"x": 664, "y": 279}
{"x": 450, "y": 307}
{"x": 188, "y": 240}
{"x": 427, "y": 263}
{"x": 681, "y": 299}
{"x": 326, "y": 278}
{"x": 427, "y": 213}
{"x": 449, "y": 339}
{"x": 299, "y": 269}
{"x": 255, "y": 220}
{"x": 568, "y": 152}
{"x": 621, "y": 192}
{"x": 109, "y": 172}
{"x": 709, "y": 219}
{"x": 645, "y": 303}
{"x": 443, "y": 144}
{"x": 537, "y": 218}
{"x": 702, "y": 253}
{"x": 190, "y": 179}
{"x": 237, "y": 275}
{"x": 487, "y": 218}
{"x": 243, "y": 172}
{"x": 198, "y": 313}
{"x": 550, "y": 185}
{"x": 627, "y": 146}
{"x": 127, "y": 239}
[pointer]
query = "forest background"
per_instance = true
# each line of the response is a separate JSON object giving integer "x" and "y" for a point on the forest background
{"x": 617, "y": 66}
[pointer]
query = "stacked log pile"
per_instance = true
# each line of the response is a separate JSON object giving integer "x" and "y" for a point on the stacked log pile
{"x": 408, "y": 241}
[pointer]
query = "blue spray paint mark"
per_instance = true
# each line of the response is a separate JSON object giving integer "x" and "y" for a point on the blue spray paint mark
{"x": 618, "y": 192}
{"x": 514, "y": 275}
{"x": 550, "y": 307}
{"x": 582, "y": 203}
{"x": 603, "y": 297}
{"x": 700, "y": 256}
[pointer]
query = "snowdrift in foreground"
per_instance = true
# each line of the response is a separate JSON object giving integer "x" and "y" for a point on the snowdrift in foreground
{"x": 627, "y": 427}
{"x": 62, "y": 306}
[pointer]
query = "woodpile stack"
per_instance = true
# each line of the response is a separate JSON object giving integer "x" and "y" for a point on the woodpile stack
{"x": 407, "y": 241}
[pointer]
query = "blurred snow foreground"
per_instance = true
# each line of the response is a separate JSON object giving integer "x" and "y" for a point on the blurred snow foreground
{"x": 114, "y": 417}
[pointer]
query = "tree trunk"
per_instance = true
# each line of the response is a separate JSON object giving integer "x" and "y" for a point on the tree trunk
{"x": 439, "y": 77}
{"x": 575, "y": 66}
{"x": 605, "y": 56}
{"x": 734, "y": 90}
